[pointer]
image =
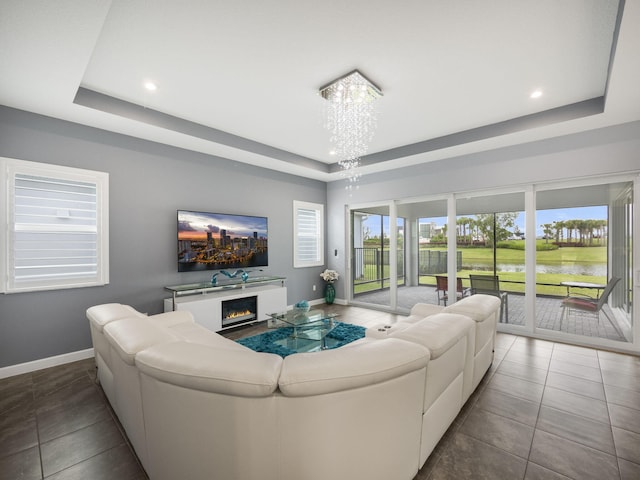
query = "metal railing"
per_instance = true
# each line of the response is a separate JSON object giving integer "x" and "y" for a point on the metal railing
{"x": 431, "y": 262}
{"x": 371, "y": 267}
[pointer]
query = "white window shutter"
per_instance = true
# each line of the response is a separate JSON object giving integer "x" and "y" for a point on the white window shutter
{"x": 57, "y": 237}
{"x": 308, "y": 234}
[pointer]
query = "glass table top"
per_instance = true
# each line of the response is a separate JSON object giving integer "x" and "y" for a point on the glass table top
{"x": 298, "y": 318}
{"x": 309, "y": 329}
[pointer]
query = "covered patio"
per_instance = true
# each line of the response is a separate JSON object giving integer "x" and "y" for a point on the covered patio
{"x": 548, "y": 311}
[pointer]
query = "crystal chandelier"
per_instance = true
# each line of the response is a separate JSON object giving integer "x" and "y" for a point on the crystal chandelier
{"x": 351, "y": 120}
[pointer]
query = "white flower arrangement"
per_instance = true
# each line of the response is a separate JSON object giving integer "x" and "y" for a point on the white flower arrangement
{"x": 330, "y": 275}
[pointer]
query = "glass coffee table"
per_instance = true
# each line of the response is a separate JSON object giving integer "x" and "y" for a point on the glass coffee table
{"x": 309, "y": 329}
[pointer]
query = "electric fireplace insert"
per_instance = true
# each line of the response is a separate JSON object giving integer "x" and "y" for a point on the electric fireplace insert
{"x": 239, "y": 310}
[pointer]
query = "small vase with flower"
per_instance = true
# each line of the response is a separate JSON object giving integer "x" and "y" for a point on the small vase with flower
{"x": 329, "y": 276}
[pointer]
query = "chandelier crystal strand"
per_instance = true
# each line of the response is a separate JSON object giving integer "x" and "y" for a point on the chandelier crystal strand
{"x": 351, "y": 118}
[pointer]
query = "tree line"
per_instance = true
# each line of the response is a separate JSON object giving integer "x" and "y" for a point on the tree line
{"x": 575, "y": 231}
{"x": 485, "y": 229}
{"x": 480, "y": 230}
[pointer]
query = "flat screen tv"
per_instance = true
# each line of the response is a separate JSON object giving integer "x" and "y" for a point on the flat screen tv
{"x": 212, "y": 241}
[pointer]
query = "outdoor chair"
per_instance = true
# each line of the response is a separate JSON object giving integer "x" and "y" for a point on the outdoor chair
{"x": 442, "y": 289}
{"x": 490, "y": 285}
{"x": 588, "y": 304}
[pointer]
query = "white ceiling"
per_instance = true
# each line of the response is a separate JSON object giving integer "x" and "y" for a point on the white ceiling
{"x": 240, "y": 79}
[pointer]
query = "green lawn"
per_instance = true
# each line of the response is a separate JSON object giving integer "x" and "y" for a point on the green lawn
{"x": 548, "y": 283}
{"x": 586, "y": 255}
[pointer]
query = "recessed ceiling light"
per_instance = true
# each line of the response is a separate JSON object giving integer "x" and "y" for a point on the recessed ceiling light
{"x": 536, "y": 94}
{"x": 150, "y": 86}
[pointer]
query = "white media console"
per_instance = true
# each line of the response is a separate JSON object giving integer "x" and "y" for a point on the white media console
{"x": 241, "y": 302}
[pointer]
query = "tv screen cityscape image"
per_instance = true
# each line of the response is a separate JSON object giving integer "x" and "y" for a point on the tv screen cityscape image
{"x": 212, "y": 241}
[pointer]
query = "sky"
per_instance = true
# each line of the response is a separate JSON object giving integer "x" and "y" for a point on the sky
{"x": 561, "y": 214}
{"x": 195, "y": 225}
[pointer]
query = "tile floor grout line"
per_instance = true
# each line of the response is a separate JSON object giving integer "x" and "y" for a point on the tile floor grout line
{"x": 606, "y": 402}
{"x": 37, "y": 427}
{"x": 535, "y": 427}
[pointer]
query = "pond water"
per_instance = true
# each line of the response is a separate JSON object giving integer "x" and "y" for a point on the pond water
{"x": 598, "y": 270}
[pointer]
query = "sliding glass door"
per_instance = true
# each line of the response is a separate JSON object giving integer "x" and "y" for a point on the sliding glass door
{"x": 491, "y": 233}
{"x": 541, "y": 246}
{"x": 377, "y": 256}
{"x": 584, "y": 260}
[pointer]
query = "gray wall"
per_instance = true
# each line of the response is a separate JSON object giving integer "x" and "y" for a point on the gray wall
{"x": 612, "y": 150}
{"x": 148, "y": 183}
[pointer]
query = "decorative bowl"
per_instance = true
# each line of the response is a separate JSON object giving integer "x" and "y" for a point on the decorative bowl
{"x": 302, "y": 306}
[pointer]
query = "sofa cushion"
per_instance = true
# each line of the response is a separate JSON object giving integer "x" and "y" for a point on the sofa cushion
{"x": 422, "y": 310}
{"x": 369, "y": 362}
{"x": 129, "y": 336}
{"x": 170, "y": 319}
{"x": 100, "y": 315}
{"x": 477, "y": 307}
{"x": 438, "y": 336}
{"x": 196, "y": 333}
{"x": 210, "y": 369}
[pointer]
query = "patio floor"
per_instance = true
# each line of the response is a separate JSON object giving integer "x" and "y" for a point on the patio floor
{"x": 548, "y": 311}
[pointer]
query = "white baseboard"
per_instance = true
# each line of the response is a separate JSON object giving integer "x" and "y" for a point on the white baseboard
{"x": 320, "y": 301}
{"x": 28, "y": 367}
{"x": 317, "y": 301}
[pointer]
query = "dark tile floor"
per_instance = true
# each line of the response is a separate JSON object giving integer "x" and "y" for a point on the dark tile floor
{"x": 57, "y": 424}
{"x": 544, "y": 411}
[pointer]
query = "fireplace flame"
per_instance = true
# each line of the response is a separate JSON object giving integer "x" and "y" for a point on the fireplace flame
{"x": 239, "y": 314}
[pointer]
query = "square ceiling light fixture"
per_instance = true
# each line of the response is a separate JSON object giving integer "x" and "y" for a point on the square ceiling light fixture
{"x": 351, "y": 118}
{"x": 352, "y": 87}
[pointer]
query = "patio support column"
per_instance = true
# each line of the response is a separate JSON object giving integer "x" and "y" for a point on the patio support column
{"x": 452, "y": 247}
{"x": 411, "y": 252}
{"x": 530, "y": 259}
{"x": 393, "y": 254}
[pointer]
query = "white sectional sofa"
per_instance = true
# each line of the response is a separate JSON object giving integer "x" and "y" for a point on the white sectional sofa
{"x": 196, "y": 405}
